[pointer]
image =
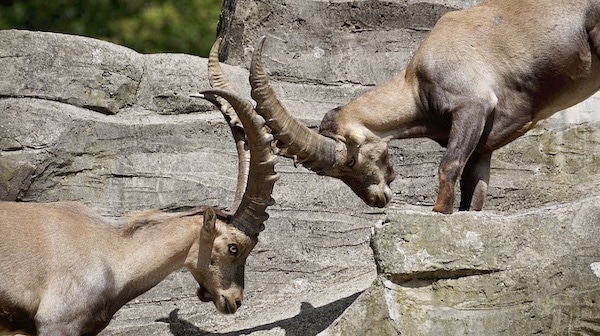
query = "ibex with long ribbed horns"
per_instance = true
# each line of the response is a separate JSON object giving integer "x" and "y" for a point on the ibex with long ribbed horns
{"x": 66, "y": 270}
{"x": 482, "y": 78}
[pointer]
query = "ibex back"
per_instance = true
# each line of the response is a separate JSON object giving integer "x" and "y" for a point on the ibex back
{"x": 482, "y": 78}
{"x": 67, "y": 270}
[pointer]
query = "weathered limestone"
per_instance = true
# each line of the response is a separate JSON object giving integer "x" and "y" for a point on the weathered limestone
{"x": 82, "y": 119}
{"x": 76, "y": 110}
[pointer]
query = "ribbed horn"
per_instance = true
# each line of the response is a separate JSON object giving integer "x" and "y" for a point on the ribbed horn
{"x": 314, "y": 151}
{"x": 251, "y": 214}
{"x": 217, "y": 79}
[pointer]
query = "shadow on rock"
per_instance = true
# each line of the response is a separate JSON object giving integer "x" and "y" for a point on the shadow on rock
{"x": 310, "y": 321}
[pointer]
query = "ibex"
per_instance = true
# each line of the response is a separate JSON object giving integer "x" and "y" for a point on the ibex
{"x": 66, "y": 270}
{"x": 481, "y": 78}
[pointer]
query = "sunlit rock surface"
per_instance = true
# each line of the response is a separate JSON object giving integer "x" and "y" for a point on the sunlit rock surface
{"x": 95, "y": 122}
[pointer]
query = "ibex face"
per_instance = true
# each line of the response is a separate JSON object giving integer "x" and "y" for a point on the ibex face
{"x": 343, "y": 149}
{"x": 220, "y": 269}
{"x": 367, "y": 172}
{"x": 218, "y": 266}
{"x": 234, "y": 238}
{"x": 361, "y": 160}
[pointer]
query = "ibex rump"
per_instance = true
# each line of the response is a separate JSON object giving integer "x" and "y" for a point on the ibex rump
{"x": 67, "y": 270}
{"x": 482, "y": 78}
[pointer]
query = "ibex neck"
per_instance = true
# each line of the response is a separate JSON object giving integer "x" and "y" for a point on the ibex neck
{"x": 151, "y": 253}
{"x": 391, "y": 111}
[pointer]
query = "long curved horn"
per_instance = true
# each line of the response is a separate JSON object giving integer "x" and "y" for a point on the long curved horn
{"x": 217, "y": 79}
{"x": 313, "y": 150}
{"x": 251, "y": 215}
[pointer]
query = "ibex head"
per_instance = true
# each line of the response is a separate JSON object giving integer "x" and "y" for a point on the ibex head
{"x": 219, "y": 264}
{"x": 342, "y": 149}
{"x": 220, "y": 269}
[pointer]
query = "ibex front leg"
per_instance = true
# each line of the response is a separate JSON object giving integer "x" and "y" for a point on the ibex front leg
{"x": 468, "y": 123}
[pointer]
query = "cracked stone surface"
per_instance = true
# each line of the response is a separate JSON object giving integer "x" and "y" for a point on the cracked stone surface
{"x": 483, "y": 274}
{"x": 91, "y": 121}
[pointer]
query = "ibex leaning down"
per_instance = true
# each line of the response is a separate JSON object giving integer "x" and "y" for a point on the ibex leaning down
{"x": 482, "y": 78}
{"x": 66, "y": 270}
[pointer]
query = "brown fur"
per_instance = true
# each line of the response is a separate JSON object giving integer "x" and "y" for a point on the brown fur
{"x": 66, "y": 270}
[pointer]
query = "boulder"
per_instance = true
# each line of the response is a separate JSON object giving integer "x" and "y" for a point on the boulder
{"x": 534, "y": 272}
{"x": 89, "y": 120}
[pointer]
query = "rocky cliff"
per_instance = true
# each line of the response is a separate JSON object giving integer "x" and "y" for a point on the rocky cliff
{"x": 91, "y": 121}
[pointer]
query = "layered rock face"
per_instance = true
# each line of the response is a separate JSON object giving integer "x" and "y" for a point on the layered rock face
{"x": 91, "y": 121}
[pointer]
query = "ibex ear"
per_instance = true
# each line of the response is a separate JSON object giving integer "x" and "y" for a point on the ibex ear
{"x": 210, "y": 219}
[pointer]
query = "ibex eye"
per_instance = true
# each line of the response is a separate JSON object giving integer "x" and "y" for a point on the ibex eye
{"x": 233, "y": 249}
{"x": 351, "y": 162}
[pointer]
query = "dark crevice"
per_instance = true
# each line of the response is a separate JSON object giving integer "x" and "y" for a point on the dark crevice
{"x": 99, "y": 109}
{"x": 424, "y": 278}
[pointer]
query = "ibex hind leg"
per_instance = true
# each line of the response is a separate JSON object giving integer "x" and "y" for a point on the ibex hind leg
{"x": 474, "y": 182}
{"x": 468, "y": 123}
